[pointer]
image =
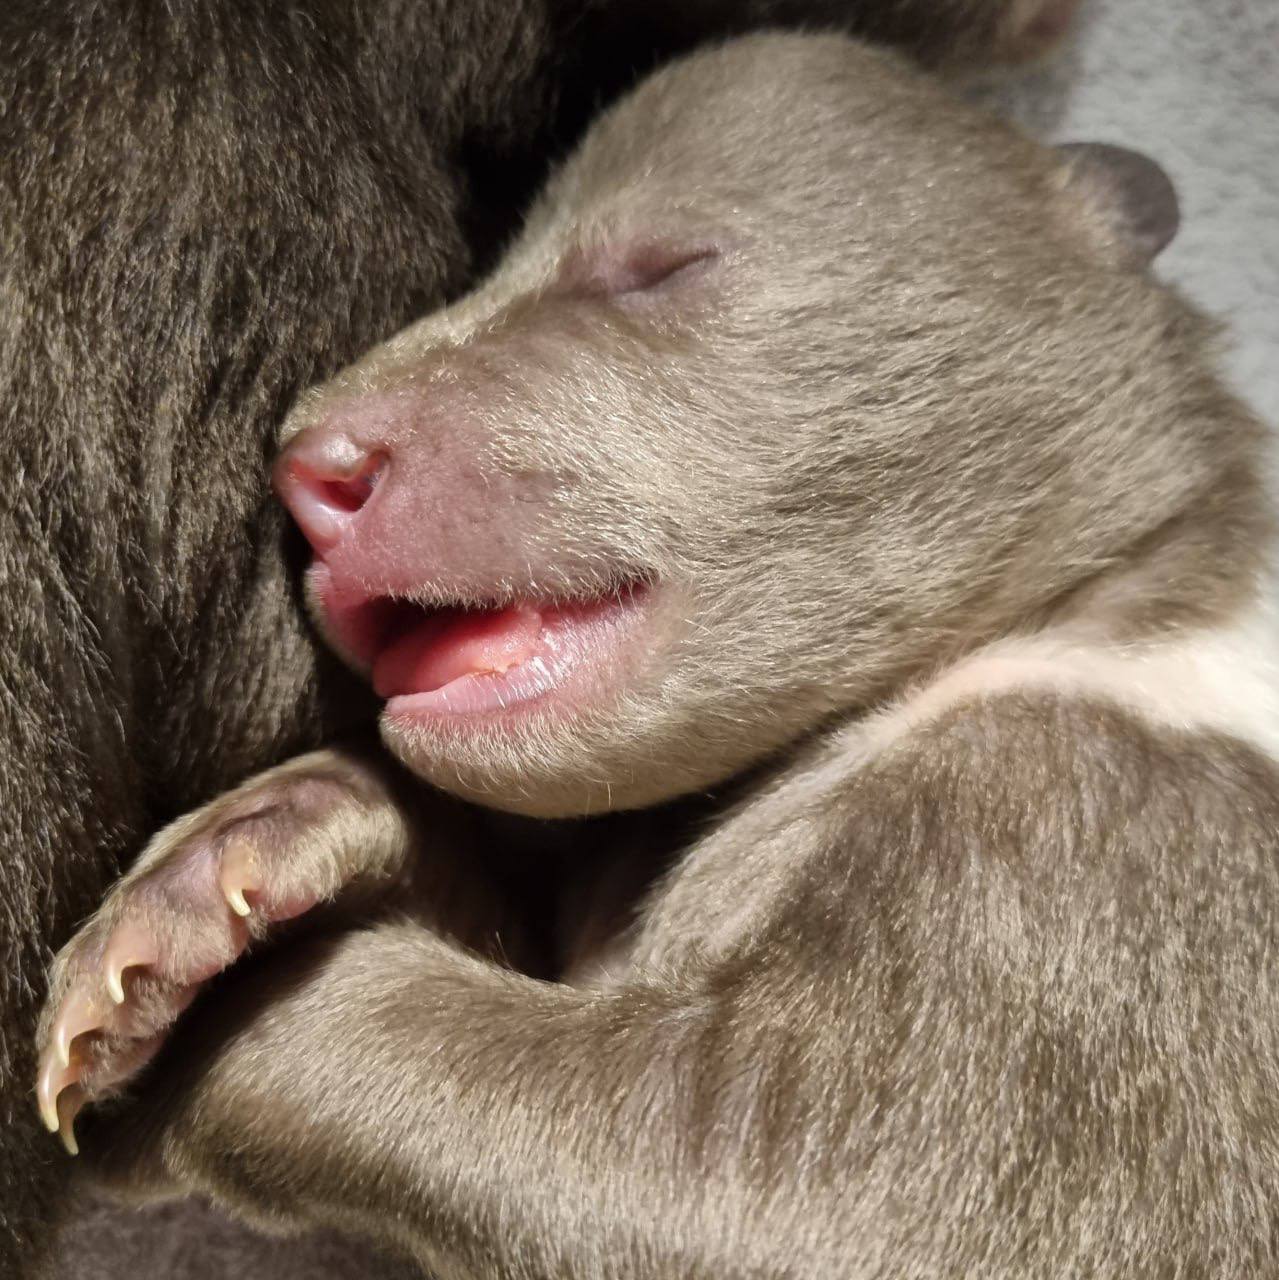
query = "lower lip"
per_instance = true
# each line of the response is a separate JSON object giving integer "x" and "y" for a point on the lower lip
{"x": 578, "y": 657}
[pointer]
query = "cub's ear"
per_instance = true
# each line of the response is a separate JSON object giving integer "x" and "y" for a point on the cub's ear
{"x": 1127, "y": 193}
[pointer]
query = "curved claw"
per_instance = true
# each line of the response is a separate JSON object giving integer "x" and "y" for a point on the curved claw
{"x": 69, "y": 1104}
{"x": 238, "y": 875}
{"x": 81, "y": 1014}
{"x": 130, "y": 947}
{"x": 54, "y": 1078}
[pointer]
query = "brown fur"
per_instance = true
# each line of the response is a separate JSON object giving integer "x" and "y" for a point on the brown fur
{"x": 947, "y": 34}
{"x": 843, "y": 465}
{"x": 187, "y": 240}
{"x": 965, "y": 962}
{"x": 203, "y": 208}
{"x": 982, "y": 1005}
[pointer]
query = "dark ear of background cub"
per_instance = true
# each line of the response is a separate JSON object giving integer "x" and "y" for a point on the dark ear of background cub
{"x": 204, "y": 207}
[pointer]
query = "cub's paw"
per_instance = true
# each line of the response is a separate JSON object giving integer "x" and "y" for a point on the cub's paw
{"x": 201, "y": 892}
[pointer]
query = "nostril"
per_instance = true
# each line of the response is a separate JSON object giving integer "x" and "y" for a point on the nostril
{"x": 324, "y": 479}
{"x": 350, "y": 493}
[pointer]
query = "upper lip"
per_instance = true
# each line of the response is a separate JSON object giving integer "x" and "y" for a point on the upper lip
{"x": 361, "y": 623}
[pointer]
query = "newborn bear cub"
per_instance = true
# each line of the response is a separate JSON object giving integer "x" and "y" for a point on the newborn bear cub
{"x": 824, "y": 529}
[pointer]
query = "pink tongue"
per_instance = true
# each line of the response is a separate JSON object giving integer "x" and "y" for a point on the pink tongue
{"x": 451, "y": 645}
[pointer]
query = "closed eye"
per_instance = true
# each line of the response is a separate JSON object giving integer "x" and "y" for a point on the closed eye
{"x": 621, "y": 270}
{"x": 650, "y": 266}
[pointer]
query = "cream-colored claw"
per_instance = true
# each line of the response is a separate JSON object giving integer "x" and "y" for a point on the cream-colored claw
{"x": 131, "y": 946}
{"x": 54, "y": 1078}
{"x": 115, "y": 982}
{"x": 80, "y": 1014}
{"x": 238, "y": 875}
{"x": 70, "y": 1104}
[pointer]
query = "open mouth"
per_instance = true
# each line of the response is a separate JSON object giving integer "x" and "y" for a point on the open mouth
{"x": 471, "y": 660}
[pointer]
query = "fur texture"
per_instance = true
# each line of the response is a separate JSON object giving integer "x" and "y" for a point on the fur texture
{"x": 834, "y": 495}
{"x": 204, "y": 207}
{"x": 953, "y": 542}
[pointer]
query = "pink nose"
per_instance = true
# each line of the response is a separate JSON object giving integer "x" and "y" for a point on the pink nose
{"x": 325, "y": 478}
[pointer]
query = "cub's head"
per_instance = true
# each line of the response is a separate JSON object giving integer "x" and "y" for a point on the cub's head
{"x": 801, "y": 375}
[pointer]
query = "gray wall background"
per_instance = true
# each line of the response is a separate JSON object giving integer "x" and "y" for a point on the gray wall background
{"x": 1195, "y": 85}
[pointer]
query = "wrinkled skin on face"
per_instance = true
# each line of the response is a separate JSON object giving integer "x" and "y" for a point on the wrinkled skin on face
{"x": 761, "y": 389}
